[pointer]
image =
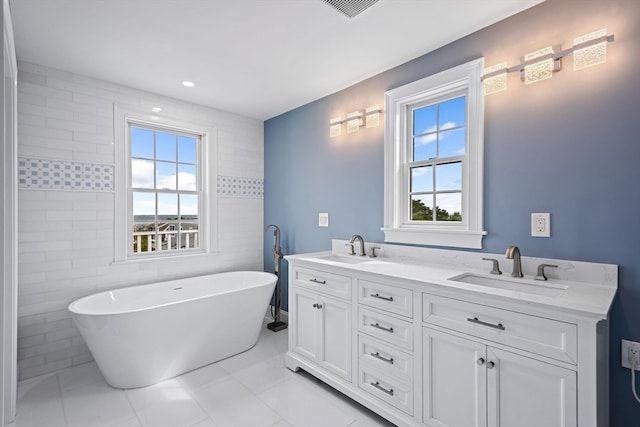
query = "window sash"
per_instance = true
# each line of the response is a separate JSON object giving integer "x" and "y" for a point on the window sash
{"x": 193, "y": 240}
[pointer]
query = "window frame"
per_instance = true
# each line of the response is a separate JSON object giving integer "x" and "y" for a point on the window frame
{"x": 399, "y": 103}
{"x": 123, "y": 216}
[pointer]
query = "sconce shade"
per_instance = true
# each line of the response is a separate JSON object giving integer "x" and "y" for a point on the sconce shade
{"x": 354, "y": 121}
{"x": 590, "y": 55}
{"x": 495, "y": 82}
{"x": 541, "y": 70}
{"x": 372, "y": 116}
{"x": 335, "y": 127}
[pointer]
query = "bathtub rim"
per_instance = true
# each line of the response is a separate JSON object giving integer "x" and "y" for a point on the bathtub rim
{"x": 72, "y": 307}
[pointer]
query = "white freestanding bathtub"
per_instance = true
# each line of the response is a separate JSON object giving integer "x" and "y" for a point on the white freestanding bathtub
{"x": 142, "y": 335}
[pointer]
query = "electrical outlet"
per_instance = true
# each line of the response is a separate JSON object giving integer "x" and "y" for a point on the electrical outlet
{"x": 323, "y": 219}
{"x": 630, "y": 355}
{"x": 541, "y": 225}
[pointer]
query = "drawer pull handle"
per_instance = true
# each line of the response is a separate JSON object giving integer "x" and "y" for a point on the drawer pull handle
{"x": 491, "y": 325}
{"x": 384, "y": 359}
{"x": 379, "y": 387}
{"x": 381, "y": 297}
{"x": 318, "y": 306}
{"x": 377, "y": 326}
{"x": 322, "y": 282}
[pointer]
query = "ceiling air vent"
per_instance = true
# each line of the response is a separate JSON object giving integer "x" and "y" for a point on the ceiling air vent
{"x": 350, "y": 8}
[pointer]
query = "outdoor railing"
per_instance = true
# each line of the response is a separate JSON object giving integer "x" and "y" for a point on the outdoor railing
{"x": 145, "y": 241}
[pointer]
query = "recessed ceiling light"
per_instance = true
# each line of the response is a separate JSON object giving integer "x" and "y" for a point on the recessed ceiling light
{"x": 156, "y": 109}
{"x": 187, "y": 83}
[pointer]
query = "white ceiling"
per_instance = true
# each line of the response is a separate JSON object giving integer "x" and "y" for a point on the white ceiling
{"x": 258, "y": 58}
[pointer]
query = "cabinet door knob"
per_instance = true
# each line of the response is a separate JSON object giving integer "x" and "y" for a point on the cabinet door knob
{"x": 318, "y": 306}
{"x": 480, "y": 361}
{"x": 490, "y": 365}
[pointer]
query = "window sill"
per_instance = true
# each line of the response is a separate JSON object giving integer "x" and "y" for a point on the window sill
{"x": 448, "y": 238}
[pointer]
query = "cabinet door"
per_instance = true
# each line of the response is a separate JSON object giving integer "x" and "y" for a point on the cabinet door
{"x": 305, "y": 328}
{"x": 336, "y": 336}
{"x": 524, "y": 392}
{"x": 454, "y": 381}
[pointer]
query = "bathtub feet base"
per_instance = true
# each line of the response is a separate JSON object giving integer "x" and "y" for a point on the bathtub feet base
{"x": 277, "y": 326}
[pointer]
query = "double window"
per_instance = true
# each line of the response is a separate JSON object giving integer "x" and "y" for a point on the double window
{"x": 433, "y": 159}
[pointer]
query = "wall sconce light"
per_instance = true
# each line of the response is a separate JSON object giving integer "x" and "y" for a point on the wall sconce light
{"x": 355, "y": 120}
{"x": 335, "y": 127}
{"x": 593, "y": 50}
{"x": 497, "y": 82}
{"x": 539, "y": 65}
{"x": 588, "y": 50}
{"x": 372, "y": 116}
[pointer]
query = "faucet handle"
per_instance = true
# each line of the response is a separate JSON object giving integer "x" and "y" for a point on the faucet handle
{"x": 495, "y": 267}
{"x": 353, "y": 252}
{"x": 540, "y": 275}
{"x": 372, "y": 251}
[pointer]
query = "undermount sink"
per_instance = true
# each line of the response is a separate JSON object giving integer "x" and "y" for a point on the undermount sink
{"x": 355, "y": 259}
{"x": 512, "y": 284}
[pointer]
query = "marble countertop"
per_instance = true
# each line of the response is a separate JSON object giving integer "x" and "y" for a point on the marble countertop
{"x": 589, "y": 288}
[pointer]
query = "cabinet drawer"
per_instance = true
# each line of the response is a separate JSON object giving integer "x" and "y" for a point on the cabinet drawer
{"x": 374, "y": 354}
{"x": 321, "y": 281}
{"x": 390, "y": 298}
{"x": 387, "y": 328}
{"x": 388, "y": 389}
{"x": 546, "y": 337}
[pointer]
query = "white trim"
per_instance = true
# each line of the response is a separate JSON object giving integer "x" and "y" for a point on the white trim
{"x": 468, "y": 234}
{"x": 9, "y": 197}
{"x": 208, "y": 203}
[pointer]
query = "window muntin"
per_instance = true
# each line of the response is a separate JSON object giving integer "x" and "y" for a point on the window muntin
{"x": 435, "y": 162}
{"x": 164, "y": 188}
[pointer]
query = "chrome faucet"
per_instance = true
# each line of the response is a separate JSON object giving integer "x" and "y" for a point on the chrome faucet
{"x": 514, "y": 253}
{"x": 353, "y": 240}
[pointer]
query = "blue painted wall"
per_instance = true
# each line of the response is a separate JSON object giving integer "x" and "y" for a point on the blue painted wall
{"x": 569, "y": 146}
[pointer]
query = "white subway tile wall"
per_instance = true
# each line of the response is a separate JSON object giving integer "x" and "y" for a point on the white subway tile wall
{"x": 66, "y": 226}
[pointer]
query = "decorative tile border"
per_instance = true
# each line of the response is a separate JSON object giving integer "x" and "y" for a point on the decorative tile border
{"x": 235, "y": 186}
{"x": 44, "y": 174}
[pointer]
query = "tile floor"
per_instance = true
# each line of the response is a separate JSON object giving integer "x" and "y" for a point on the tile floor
{"x": 252, "y": 389}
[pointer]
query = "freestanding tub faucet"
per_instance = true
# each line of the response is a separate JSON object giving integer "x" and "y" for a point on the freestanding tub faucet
{"x": 514, "y": 253}
{"x": 353, "y": 240}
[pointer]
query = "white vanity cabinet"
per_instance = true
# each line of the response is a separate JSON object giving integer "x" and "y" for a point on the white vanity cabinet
{"x": 319, "y": 324}
{"x": 517, "y": 369}
{"x": 469, "y": 383}
{"x": 420, "y": 352}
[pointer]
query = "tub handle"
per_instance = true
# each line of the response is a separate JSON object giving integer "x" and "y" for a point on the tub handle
{"x": 322, "y": 282}
{"x": 377, "y": 326}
